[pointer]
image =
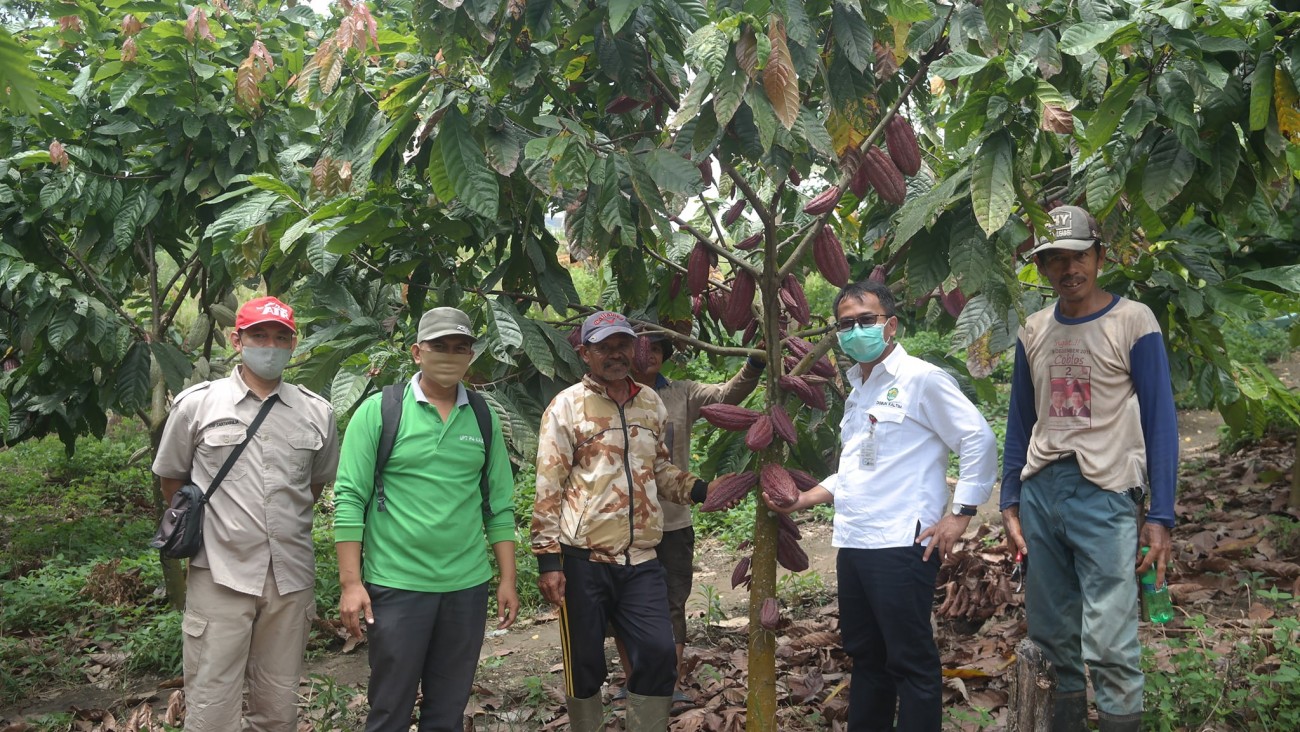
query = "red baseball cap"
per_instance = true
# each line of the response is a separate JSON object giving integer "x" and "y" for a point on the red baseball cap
{"x": 264, "y": 310}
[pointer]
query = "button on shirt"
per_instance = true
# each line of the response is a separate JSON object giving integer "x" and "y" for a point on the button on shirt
{"x": 261, "y": 514}
{"x": 898, "y": 430}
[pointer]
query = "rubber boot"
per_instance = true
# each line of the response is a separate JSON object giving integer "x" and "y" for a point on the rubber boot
{"x": 586, "y": 715}
{"x": 1119, "y": 722}
{"x": 1070, "y": 712}
{"x": 648, "y": 713}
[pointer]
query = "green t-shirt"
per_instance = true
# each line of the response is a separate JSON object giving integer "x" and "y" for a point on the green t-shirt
{"x": 430, "y": 538}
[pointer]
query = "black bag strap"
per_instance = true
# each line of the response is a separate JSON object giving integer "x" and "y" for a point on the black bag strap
{"x": 390, "y": 415}
{"x": 483, "y": 413}
{"x": 239, "y": 449}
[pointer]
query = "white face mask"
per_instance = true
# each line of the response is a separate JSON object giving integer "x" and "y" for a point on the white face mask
{"x": 445, "y": 369}
{"x": 266, "y": 361}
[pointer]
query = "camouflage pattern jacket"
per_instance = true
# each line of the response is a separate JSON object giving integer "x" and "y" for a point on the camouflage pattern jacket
{"x": 602, "y": 470}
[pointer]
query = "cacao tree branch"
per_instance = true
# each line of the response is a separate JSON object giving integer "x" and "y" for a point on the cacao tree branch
{"x": 193, "y": 267}
{"x": 764, "y": 214}
{"x": 89, "y": 276}
{"x": 843, "y": 182}
{"x": 713, "y": 246}
{"x": 716, "y": 350}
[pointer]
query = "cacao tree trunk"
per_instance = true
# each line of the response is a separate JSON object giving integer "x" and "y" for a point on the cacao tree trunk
{"x": 760, "y": 701}
{"x": 1033, "y": 690}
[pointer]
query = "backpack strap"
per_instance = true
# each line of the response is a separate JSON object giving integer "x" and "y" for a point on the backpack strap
{"x": 390, "y": 415}
{"x": 483, "y": 413}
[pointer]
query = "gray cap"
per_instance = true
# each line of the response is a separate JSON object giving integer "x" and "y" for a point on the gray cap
{"x": 1071, "y": 228}
{"x": 599, "y": 326}
{"x": 440, "y": 322}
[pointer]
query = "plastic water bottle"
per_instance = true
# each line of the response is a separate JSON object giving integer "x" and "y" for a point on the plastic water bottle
{"x": 1155, "y": 599}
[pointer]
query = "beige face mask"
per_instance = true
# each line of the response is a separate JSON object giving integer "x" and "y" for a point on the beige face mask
{"x": 445, "y": 369}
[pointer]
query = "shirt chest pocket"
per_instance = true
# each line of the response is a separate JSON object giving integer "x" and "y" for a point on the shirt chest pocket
{"x": 303, "y": 447}
{"x": 886, "y": 428}
{"x": 215, "y": 448}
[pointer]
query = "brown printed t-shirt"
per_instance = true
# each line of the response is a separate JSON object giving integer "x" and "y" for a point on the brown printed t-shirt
{"x": 261, "y": 514}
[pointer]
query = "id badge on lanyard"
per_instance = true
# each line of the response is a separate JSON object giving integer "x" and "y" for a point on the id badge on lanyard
{"x": 867, "y": 455}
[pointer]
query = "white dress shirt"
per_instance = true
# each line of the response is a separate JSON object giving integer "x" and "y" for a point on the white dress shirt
{"x": 898, "y": 430}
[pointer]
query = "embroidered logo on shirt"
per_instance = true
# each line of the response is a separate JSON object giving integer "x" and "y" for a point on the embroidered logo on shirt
{"x": 471, "y": 438}
{"x": 892, "y": 394}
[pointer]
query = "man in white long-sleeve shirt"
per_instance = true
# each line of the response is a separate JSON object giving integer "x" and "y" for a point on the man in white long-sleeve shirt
{"x": 893, "y": 524}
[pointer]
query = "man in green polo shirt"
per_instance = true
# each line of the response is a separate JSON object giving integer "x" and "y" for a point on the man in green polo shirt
{"x": 424, "y": 588}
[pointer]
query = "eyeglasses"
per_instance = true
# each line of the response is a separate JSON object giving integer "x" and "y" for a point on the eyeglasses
{"x": 866, "y": 321}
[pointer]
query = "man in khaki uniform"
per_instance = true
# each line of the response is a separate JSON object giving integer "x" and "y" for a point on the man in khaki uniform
{"x": 249, "y": 592}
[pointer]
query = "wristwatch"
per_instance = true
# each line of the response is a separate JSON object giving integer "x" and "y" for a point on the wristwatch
{"x": 961, "y": 509}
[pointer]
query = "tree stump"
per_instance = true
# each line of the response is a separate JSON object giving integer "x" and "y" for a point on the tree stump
{"x": 1033, "y": 690}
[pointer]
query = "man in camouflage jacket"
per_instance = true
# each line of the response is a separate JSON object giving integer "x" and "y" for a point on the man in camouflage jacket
{"x": 602, "y": 470}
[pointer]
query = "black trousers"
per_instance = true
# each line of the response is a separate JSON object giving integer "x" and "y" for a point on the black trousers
{"x": 885, "y": 601}
{"x": 423, "y": 639}
{"x": 634, "y": 598}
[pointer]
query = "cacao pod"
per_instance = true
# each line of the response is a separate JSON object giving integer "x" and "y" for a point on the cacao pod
{"x": 790, "y": 362}
{"x": 750, "y": 241}
{"x": 807, "y": 393}
{"x": 751, "y": 330}
{"x": 828, "y": 255}
{"x": 575, "y": 338}
{"x": 900, "y": 138}
{"x": 954, "y": 302}
{"x": 795, "y": 301}
{"x": 789, "y": 554}
{"x": 769, "y": 616}
{"x": 786, "y": 525}
{"x": 733, "y": 213}
{"x": 884, "y": 177}
{"x": 697, "y": 270}
{"x": 675, "y": 286}
{"x": 798, "y": 346}
{"x": 760, "y": 434}
{"x": 622, "y": 104}
{"x": 778, "y": 486}
{"x": 222, "y": 315}
{"x": 728, "y": 489}
{"x": 859, "y": 183}
{"x": 802, "y": 480}
{"x": 729, "y": 417}
{"x": 879, "y": 274}
{"x": 706, "y": 172}
{"x": 823, "y": 202}
{"x": 795, "y": 178}
{"x": 717, "y": 301}
{"x": 782, "y": 425}
{"x": 641, "y": 356}
{"x": 740, "y": 302}
{"x": 740, "y": 575}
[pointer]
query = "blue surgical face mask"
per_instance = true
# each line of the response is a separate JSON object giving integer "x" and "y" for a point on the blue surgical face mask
{"x": 267, "y": 362}
{"x": 862, "y": 343}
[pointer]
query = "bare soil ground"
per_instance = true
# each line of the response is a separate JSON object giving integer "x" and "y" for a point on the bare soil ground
{"x": 1224, "y": 502}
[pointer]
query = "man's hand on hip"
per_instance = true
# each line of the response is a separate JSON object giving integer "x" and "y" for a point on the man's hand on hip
{"x": 943, "y": 535}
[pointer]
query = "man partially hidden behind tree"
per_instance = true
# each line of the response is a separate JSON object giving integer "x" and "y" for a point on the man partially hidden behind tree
{"x": 1073, "y": 486}
{"x": 250, "y": 591}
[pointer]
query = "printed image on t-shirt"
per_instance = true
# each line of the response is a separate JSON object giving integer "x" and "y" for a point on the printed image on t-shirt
{"x": 1071, "y": 407}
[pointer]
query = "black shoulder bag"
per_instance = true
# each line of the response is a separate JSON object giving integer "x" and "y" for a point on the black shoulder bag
{"x": 180, "y": 532}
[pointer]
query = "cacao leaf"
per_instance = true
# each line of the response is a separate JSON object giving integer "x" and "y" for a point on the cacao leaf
{"x": 779, "y": 78}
